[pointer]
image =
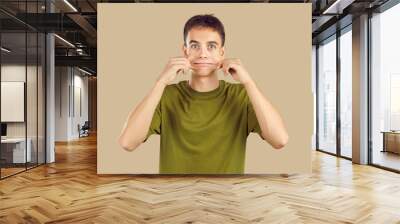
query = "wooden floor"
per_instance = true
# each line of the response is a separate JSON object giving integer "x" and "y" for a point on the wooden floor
{"x": 69, "y": 191}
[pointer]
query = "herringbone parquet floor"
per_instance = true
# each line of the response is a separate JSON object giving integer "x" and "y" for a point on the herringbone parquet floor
{"x": 70, "y": 191}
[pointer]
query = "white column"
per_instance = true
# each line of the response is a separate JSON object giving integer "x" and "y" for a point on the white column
{"x": 50, "y": 102}
{"x": 360, "y": 90}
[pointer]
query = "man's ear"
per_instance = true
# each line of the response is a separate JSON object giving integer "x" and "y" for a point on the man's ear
{"x": 223, "y": 52}
{"x": 184, "y": 49}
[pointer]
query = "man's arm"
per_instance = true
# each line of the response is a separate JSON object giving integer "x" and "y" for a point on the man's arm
{"x": 139, "y": 119}
{"x": 271, "y": 123}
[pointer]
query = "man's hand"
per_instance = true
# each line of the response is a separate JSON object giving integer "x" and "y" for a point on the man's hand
{"x": 234, "y": 67}
{"x": 173, "y": 67}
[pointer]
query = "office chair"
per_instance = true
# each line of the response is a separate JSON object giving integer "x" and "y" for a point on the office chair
{"x": 84, "y": 130}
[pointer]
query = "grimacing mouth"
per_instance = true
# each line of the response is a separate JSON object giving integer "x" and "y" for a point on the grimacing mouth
{"x": 205, "y": 63}
{"x": 208, "y": 63}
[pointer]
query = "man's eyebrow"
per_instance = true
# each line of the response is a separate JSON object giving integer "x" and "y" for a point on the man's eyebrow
{"x": 209, "y": 42}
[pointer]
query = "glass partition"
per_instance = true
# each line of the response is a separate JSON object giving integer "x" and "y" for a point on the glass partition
{"x": 22, "y": 88}
{"x": 13, "y": 99}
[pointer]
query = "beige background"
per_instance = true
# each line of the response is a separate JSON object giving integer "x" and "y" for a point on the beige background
{"x": 273, "y": 41}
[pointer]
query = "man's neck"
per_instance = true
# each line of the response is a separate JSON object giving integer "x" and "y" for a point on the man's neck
{"x": 204, "y": 83}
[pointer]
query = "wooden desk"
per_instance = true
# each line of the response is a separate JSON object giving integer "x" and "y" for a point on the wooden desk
{"x": 391, "y": 141}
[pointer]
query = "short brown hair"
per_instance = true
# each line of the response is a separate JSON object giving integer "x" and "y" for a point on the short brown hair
{"x": 204, "y": 21}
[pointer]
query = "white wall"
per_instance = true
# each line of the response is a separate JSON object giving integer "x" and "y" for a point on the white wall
{"x": 62, "y": 80}
{"x": 70, "y": 83}
{"x": 16, "y": 72}
{"x": 34, "y": 124}
{"x": 80, "y": 84}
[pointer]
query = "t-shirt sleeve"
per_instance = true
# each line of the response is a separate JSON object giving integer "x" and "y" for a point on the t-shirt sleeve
{"x": 252, "y": 122}
{"x": 155, "y": 126}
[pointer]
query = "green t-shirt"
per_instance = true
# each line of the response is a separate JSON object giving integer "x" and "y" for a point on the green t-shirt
{"x": 203, "y": 132}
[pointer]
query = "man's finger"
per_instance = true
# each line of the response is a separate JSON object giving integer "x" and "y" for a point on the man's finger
{"x": 178, "y": 60}
{"x": 178, "y": 63}
{"x": 178, "y": 57}
{"x": 178, "y": 67}
{"x": 222, "y": 67}
{"x": 186, "y": 66}
{"x": 226, "y": 70}
{"x": 231, "y": 68}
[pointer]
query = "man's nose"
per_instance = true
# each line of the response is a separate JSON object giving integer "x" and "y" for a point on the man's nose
{"x": 203, "y": 52}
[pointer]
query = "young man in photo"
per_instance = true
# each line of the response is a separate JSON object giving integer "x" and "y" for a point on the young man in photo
{"x": 203, "y": 122}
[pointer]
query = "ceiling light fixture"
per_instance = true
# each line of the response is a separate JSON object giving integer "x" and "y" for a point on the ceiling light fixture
{"x": 64, "y": 40}
{"x": 5, "y": 49}
{"x": 70, "y": 5}
{"x": 84, "y": 71}
{"x": 337, "y": 7}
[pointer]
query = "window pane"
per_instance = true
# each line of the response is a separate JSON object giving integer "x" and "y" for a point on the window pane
{"x": 385, "y": 88}
{"x": 327, "y": 96}
{"x": 346, "y": 93}
{"x": 14, "y": 150}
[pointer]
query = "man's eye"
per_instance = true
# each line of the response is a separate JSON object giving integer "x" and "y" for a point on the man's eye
{"x": 212, "y": 46}
{"x": 193, "y": 46}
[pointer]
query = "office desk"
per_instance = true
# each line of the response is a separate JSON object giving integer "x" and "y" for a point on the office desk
{"x": 391, "y": 141}
{"x": 16, "y": 151}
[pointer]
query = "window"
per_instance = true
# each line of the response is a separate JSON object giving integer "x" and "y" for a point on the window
{"x": 385, "y": 88}
{"x": 327, "y": 95}
{"x": 346, "y": 92}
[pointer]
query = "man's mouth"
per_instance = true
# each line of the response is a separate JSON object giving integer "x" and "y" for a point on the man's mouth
{"x": 204, "y": 64}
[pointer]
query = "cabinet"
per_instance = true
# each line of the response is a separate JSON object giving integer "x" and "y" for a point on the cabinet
{"x": 391, "y": 141}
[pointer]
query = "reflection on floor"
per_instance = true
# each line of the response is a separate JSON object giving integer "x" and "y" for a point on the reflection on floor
{"x": 13, "y": 169}
{"x": 386, "y": 159}
{"x": 70, "y": 191}
{"x": 10, "y": 171}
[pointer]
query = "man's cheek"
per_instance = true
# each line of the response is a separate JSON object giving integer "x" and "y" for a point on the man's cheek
{"x": 191, "y": 58}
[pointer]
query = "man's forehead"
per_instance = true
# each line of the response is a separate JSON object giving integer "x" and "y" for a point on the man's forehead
{"x": 206, "y": 35}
